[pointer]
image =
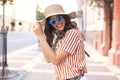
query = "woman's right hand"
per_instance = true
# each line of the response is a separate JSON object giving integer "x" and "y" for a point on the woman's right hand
{"x": 38, "y": 29}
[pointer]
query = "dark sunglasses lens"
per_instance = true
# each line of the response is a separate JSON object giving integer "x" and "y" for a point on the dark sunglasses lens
{"x": 59, "y": 18}
{"x": 52, "y": 22}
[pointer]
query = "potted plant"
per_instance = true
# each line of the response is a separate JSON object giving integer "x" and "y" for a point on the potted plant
{"x": 12, "y": 25}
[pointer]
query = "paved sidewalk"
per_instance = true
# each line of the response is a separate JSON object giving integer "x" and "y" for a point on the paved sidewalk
{"x": 99, "y": 67}
{"x": 31, "y": 60}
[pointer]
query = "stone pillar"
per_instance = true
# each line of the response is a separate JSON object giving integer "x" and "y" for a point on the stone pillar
{"x": 106, "y": 32}
{"x": 114, "y": 52}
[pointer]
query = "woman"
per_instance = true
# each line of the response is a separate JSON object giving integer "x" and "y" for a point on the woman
{"x": 62, "y": 43}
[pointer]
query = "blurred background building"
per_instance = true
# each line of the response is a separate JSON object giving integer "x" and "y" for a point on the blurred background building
{"x": 99, "y": 20}
{"x": 102, "y": 27}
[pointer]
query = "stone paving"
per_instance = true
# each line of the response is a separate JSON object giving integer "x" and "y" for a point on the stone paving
{"x": 99, "y": 67}
{"x": 31, "y": 60}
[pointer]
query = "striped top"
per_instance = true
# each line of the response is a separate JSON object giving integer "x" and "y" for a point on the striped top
{"x": 73, "y": 44}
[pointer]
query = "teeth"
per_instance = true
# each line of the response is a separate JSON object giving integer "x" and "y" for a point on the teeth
{"x": 59, "y": 25}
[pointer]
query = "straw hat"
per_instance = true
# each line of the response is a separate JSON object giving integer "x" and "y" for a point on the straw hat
{"x": 56, "y": 9}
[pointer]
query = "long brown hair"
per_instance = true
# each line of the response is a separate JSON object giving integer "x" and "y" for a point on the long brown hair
{"x": 50, "y": 31}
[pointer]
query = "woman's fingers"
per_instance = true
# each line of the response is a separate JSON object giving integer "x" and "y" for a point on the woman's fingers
{"x": 37, "y": 29}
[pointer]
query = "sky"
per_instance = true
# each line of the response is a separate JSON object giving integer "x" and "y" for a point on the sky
{"x": 25, "y": 9}
{"x": 68, "y": 5}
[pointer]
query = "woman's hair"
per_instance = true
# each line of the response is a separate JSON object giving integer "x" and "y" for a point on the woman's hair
{"x": 50, "y": 31}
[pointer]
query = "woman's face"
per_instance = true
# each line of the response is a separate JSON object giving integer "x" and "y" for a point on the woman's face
{"x": 58, "y": 22}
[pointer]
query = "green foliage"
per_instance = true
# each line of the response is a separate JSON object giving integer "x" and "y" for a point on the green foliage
{"x": 40, "y": 16}
{"x": 13, "y": 24}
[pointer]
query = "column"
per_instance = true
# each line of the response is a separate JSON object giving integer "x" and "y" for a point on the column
{"x": 106, "y": 32}
{"x": 114, "y": 52}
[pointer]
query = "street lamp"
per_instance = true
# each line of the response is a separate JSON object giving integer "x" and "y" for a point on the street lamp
{"x": 3, "y": 35}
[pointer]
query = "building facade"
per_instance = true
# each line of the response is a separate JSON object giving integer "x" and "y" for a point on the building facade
{"x": 103, "y": 27}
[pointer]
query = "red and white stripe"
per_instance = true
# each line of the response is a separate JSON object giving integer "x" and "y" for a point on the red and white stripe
{"x": 73, "y": 44}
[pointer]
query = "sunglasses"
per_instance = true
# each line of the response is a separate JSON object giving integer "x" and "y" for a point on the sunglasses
{"x": 53, "y": 21}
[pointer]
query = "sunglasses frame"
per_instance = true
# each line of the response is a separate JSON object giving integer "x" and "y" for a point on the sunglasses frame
{"x": 59, "y": 18}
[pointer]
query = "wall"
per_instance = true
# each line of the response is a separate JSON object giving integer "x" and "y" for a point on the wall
{"x": 95, "y": 38}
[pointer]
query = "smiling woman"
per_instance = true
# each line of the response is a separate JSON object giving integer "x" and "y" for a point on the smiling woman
{"x": 62, "y": 43}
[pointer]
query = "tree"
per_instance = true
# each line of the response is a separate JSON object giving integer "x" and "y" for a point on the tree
{"x": 39, "y": 15}
{"x": 13, "y": 24}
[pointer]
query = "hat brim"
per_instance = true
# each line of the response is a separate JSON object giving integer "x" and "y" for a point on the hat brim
{"x": 72, "y": 15}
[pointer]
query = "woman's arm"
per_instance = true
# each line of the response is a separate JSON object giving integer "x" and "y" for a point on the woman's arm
{"x": 54, "y": 57}
{"x": 48, "y": 52}
{"x": 46, "y": 56}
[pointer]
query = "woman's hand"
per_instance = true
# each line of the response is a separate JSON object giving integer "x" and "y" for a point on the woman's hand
{"x": 38, "y": 29}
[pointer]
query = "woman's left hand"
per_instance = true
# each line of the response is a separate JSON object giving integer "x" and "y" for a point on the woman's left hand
{"x": 38, "y": 29}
